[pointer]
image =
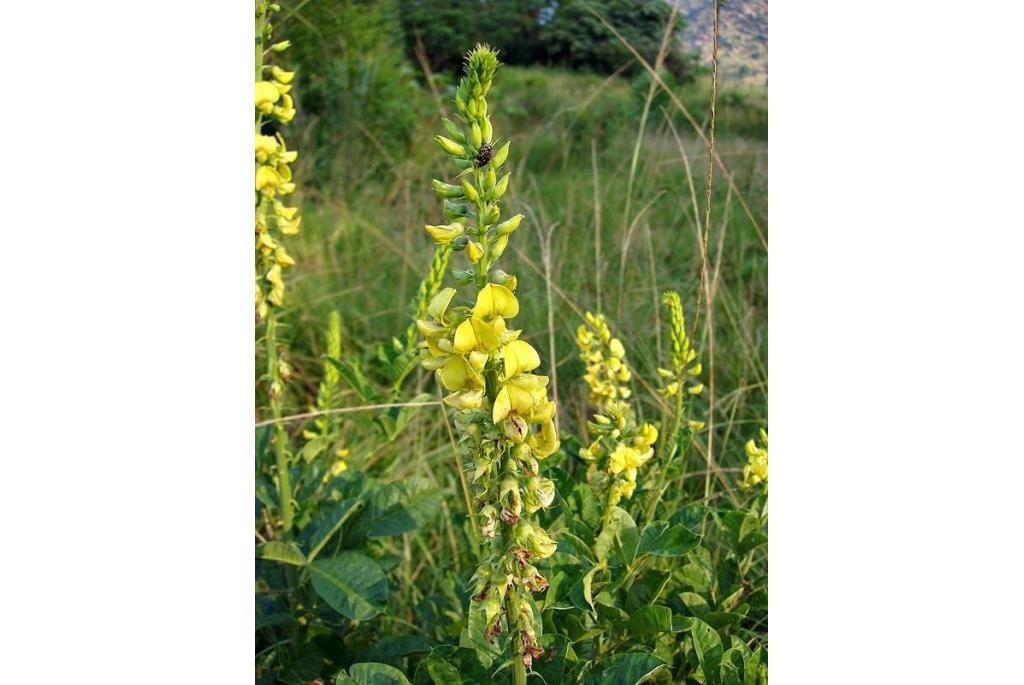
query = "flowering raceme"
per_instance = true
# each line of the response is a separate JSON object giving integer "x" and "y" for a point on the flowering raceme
{"x": 756, "y": 470}
{"x": 623, "y": 444}
{"x": 607, "y": 373}
{"x": 274, "y": 220}
{"x": 504, "y": 419}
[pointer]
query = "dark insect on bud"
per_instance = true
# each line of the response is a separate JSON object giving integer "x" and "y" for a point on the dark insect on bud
{"x": 484, "y": 155}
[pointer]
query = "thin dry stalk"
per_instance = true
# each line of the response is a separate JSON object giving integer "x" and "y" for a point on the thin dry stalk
{"x": 692, "y": 121}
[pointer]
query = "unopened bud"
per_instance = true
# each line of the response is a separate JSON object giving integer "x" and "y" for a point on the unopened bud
{"x": 509, "y": 225}
{"x": 450, "y": 146}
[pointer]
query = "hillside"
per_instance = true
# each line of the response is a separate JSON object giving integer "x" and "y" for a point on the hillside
{"x": 742, "y": 37}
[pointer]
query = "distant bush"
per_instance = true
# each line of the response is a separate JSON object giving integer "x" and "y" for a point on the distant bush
{"x": 357, "y": 94}
{"x": 532, "y": 32}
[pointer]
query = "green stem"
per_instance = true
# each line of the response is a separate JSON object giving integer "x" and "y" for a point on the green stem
{"x": 284, "y": 487}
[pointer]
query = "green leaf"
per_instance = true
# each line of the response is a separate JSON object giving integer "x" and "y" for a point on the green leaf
{"x": 633, "y": 669}
{"x": 731, "y": 669}
{"x": 398, "y": 508}
{"x": 377, "y": 674}
{"x": 395, "y": 646}
{"x": 284, "y": 552}
{"x": 708, "y": 646}
{"x": 335, "y": 518}
{"x": 354, "y": 377}
{"x": 620, "y": 528}
{"x": 312, "y": 449}
{"x": 352, "y": 584}
{"x": 697, "y": 605}
{"x": 651, "y": 619}
{"x": 332, "y": 524}
{"x": 663, "y": 540}
{"x": 442, "y": 672}
{"x": 555, "y": 597}
{"x": 581, "y": 592}
{"x": 720, "y": 619}
{"x": 751, "y": 666}
{"x": 646, "y": 589}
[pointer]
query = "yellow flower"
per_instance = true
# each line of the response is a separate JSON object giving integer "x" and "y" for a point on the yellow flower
{"x": 265, "y": 147}
{"x": 266, "y": 95}
{"x": 442, "y": 235}
{"x": 277, "y": 291}
{"x": 520, "y": 357}
{"x": 495, "y": 300}
{"x": 756, "y": 470}
{"x": 267, "y": 180}
{"x": 475, "y": 334}
{"x": 286, "y": 111}
{"x": 474, "y": 251}
{"x": 512, "y": 399}
{"x": 282, "y": 75}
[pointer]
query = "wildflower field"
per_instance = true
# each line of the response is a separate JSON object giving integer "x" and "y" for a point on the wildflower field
{"x": 511, "y": 368}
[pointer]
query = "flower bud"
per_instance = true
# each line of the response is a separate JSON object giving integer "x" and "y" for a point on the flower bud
{"x": 282, "y": 46}
{"x": 463, "y": 276}
{"x": 489, "y": 180}
{"x": 474, "y": 251}
{"x": 454, "y": 131}
{"x": 450, "y": 146}
{"x": 476, "y": 137}
{"x": 486, "y": 130}
{"x": 500, "y": 156}
{"x": 501, "y": 186}
{"x": 459, "y": 244}
{"x": 442, "y": 235}
{"x": 471, "y": 194}
{"x": 509, "y": 225}
{"x": 281, "y": 75}
{"x": 446, "y": 190}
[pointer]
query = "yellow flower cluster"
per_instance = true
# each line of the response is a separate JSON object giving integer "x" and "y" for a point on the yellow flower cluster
{"x": 274, "y": 220}
{"x": 607, "y": 373}
{"x": 624, "y": 444}
{"x": 756, "y": 470}
{"x": 462, "y": 343}
{"x": 681, "y": 380}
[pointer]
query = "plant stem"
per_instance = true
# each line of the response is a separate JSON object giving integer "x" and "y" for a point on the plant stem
{"x": 284, "y": 487}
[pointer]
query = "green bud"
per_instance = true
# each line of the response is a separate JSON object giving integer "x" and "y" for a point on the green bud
{"x": 459, "y": 243}
{"x": 501, "y": 186}
{"x": 499, "y": 157}
{"x": 501, "y": 278}
{"x": 464, "y": 164}
{"x": 476, "y": 137}
{"x": 510, "y": 225}
{"x": 450, "y": 146}
{"x": 486, "y": 130}
{"x": 454, "y": 210}
{"x": 447, "y": 190}
{"x": 471, "y": 194}
{"x": 492, "y": 215}
{"x": 463, "y": 276}
{"x": 499, "y": 246}
{"x": 489, "y": 180}
{"x": 454, "y": 131}
{"x": 282, "y": 46}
